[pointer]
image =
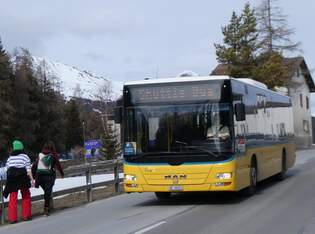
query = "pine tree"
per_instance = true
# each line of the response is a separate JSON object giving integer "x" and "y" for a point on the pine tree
{"x": 26, "y": 101}
{"x": 111, "y": 146}
{"x": 51, "y": 124}
{"x": 6, "y": 97}
{"x": 271, "y": 71}
{"x": 5, "y": 64}
{"x": 73, "y": 126}
{"x": 275, "y": 35}
{"x": 94, "y": 128}
{"x": 240, "y": 44}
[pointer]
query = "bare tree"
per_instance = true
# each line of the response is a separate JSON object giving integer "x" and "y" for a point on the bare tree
{"x": 47, "y": 78}
{"x": 275, "y": 35}
{"x": 105, "y": 92}
{"x": 110, "y": 139}
{"x": 77, "y": 92}
{"x": 104, "y": 95}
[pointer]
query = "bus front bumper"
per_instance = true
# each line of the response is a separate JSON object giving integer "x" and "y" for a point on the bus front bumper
{"x": 218, "y": 186}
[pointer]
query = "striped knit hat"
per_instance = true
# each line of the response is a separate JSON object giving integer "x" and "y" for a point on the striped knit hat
{"x": 17, "y": 145}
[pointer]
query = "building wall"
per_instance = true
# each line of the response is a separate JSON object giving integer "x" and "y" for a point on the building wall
{"x": 313, "y": 127}
{"x": 299, "y": 92}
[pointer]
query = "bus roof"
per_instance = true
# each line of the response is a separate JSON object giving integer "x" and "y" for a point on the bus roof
{"x": 187, "y": 79}
{"x": 195, "y": 78}
{"x": 176, "y": 79}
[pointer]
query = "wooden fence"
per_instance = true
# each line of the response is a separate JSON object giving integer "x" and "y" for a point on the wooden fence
{"x": 113, "y": 166}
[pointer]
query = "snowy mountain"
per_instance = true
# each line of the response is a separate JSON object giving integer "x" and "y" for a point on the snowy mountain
{"x": 74, "y": 81}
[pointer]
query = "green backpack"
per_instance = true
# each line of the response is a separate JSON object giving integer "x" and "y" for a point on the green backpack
{"x": 47, "y": 160}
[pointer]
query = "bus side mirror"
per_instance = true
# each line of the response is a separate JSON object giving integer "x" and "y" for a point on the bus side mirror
{"x": 118, "y": 115}
{"x": 240, "y": 111}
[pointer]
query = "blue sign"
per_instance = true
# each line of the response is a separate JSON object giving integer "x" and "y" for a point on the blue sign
{"x": 130, "y": 148}
{"x": 92, "y": 148}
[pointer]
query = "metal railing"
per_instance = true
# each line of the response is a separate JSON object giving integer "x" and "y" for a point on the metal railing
{"x": 113, "y": 166}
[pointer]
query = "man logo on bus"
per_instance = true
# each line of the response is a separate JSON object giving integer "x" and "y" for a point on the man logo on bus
{"x": 175, "y": 179}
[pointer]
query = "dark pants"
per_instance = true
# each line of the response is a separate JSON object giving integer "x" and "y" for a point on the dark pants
{"x": 46, "y": 182}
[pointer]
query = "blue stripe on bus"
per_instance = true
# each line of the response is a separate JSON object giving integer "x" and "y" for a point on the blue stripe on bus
{"x": 188, "y": 163}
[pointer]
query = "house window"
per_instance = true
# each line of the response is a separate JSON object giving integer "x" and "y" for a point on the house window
{"x": 298, "y": 72}
{"x": 306, "y": 126}
{"x": 307, "y": 103}
{"x": 301, "y": 100}
{"x": 282, "y": 129}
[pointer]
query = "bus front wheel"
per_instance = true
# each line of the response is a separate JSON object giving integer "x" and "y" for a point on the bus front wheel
{"x": 163, "y": 195}
{"x": 251, "y": 189}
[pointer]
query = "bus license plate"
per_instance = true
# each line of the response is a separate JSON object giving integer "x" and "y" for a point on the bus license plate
{"x": 176, "y": 188}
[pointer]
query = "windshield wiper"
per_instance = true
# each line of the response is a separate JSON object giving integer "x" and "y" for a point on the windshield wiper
{"x": 201, "y": 149}
{"x": 143, "y": 155}
{"x": 185, "y": 145}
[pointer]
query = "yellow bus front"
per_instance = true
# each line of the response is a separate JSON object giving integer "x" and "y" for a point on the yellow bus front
{"x": 188, "y": 177}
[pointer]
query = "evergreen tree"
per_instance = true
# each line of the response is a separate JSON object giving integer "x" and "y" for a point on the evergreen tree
{"x": 271, "y": 71}
{"x": 240, "y": 44}
{"x": 51, "y": 123}
{"x": 275, "y": 35}
{"x": 73, "y": 126}
{"x": 94, "y": 128}
{"x": 6, "y": 97}
{"x": 5, "y": 64}
{"x": 111, "y": 146}
{"x": 26, "y": 101}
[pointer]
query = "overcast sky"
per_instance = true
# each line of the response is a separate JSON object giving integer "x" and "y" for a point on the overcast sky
{"x": 130, "y": 40}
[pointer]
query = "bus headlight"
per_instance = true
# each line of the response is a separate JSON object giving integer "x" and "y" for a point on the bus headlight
{"x": 130, "y": 178}
{"x": 224, "y": 176}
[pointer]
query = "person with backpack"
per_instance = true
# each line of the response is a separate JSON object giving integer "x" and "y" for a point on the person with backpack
{"x": 44, "y": 169}
{"x": 19, "y": 177}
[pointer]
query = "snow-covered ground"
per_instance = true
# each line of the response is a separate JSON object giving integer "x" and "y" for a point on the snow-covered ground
{"x": 72, "y": 182}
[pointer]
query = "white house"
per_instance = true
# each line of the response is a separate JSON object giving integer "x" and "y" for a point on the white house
{"x": 301, "y": 85}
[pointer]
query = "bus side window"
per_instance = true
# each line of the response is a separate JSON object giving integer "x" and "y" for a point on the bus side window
{"x": 240, "y": 111}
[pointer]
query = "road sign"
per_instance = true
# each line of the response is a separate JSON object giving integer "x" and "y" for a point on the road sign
{"x": 92, "y": 148}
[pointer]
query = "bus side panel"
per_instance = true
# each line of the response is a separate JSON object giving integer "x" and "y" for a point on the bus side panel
{"x": 269, "y": 159}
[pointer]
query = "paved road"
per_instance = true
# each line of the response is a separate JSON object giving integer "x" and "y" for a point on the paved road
{"x": 279, "y": 207}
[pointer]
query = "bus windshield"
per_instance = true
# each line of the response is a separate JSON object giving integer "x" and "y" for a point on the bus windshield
{"x": 190, "y": 129}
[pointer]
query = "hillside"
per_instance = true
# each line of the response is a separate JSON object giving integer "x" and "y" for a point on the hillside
{"x": 72, "y": 79}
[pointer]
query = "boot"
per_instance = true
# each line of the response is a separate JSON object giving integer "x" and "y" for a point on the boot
{"x": 46, "y": 211}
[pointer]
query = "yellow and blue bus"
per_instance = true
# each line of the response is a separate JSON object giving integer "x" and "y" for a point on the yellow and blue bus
{"x": 212, "y": 133}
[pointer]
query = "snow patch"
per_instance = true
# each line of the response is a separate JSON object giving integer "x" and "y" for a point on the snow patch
{"x": 72, "y": 78}
{"x": 188, "y": 74}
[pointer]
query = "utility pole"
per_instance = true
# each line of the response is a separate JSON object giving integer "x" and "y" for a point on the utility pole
{"x": 83, "y": 128}
{"x": 103, "y": 121}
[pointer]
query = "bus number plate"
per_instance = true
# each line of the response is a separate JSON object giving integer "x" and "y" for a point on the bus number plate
{"x": 176, "y": 188}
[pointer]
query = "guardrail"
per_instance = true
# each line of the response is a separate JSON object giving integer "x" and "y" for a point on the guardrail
{"x": 87, "y": 169}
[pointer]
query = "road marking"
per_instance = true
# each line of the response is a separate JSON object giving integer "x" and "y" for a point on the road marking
{"x": 149, "y": 228}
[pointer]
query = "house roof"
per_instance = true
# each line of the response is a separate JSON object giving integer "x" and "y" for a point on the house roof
{"x": 292, "y": 65}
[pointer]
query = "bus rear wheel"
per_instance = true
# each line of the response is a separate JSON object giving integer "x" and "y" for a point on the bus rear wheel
{"x": 282, "y": 174}
{"x": 163, "y": 195}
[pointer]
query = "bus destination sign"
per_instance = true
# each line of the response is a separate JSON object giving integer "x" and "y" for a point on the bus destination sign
{"x": 173, "y": 93}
